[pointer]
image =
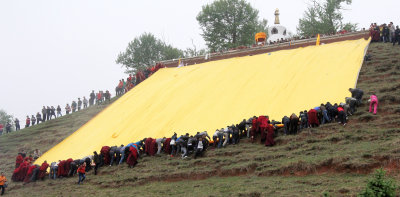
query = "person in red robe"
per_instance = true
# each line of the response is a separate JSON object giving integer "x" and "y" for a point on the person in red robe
{"x": 167, "y": 146}
{"x": 23, "y": 170}
{"x": 43, "y": 170}
{"x": 253, "y": 129}
{"x": 313, "y": 118}
{"x": 61, "y": 169}
{"x": 68, "y": 166}
{"x": 19, "y": 160}
{"x": 105, "y": 151}
{"x": 269, "y": 141}
{"x": 263, "y": 123}
{"x": 132, "y": 157}
{"x": 17, "y": 172}
{"x": 147, "y": 145}
{"x": 153, "y": 147}
{"x": 28, "y": 175}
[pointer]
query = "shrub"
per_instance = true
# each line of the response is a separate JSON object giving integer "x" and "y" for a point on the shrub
{"x": 379, "y": 186}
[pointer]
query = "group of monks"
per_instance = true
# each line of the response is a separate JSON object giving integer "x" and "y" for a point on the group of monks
{"x": 27, "y": 172}
{"x": 262, "y": 126}
{"x": 132, "y": 81}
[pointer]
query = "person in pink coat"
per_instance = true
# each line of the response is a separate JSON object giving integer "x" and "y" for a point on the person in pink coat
{"x": 373, "y": 103}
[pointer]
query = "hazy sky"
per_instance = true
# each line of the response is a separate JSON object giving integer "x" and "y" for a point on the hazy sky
{"x": 52, "y": 52}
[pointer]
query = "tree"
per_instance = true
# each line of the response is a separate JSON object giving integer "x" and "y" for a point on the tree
{"x": 324, "y": 18}
{"x": 379, "y": 186}
{"x": 4, "y": 118}
{"x": 193, "y": 52}
{"x": 145, "y": 51}
{"x": 229, "y": 23}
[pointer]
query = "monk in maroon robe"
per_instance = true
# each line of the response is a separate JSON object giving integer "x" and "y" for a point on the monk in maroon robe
{"x": 23, "y": 170}
{"x": 167, "y": 146}
{"x": 68, "y": 166}
{"x": 132, "y": 157}
{"x": 313, "y": 118}
{"x": 28, "y": 175}
{"x": 43, "y": 170}
{"x": 147, "y": 145}
{"x": 263, "y": 123}
{"x": 105, "y": 151}
{"x": 19, "y": 160}
{"x": 153, "y": 147}
{"x": 253, "y": 130}
{"x": 269, "y": 141}
{"x": 16, "y": 174}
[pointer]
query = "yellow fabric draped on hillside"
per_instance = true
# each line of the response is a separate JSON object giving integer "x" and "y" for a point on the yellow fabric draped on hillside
{"x": 212, "y": 95}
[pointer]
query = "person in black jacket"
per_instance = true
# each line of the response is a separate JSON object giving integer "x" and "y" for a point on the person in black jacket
{"x": 48, "y": 112}
{"x": 44, "y": 111}
{"x": 396, "y": 36}
{"x": 286, "y": 123}
{"x": 357, "y": 94}
{"x": 113, "y": 149}
{"x": 92, "y": 97}
{"x": 385, "y": 33}
{"x": 96, "y": 160}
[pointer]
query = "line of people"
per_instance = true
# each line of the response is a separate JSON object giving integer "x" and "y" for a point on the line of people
{"x": 50, "y": 112}
{"x": 132, "y": 81}
{"x": 189, "y": 145}
{"x": 385, "y": 33}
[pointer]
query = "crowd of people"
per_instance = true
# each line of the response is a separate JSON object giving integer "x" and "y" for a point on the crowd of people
{"x": 385, "y": 33}
{"x": 124, "y": 86}
{"x": 183, "y": 146}
{"x": 50, "y": 112}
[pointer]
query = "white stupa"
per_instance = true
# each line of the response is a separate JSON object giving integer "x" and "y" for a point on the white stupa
{"x": 277, "y": 32}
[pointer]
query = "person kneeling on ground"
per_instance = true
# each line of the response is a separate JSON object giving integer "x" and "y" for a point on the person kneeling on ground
{"x": 81, "y": 171}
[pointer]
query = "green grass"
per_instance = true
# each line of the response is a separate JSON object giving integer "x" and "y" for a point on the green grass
{"x": 331, "y": 158}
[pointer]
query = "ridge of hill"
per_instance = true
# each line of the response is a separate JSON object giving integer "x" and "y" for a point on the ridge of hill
{"x": 330, "y": 158}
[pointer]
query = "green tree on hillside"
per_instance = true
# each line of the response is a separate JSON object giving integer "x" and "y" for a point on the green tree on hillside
{"x": 324, "y": 18}
{"x": 145, "y": 51}
{"x": 229, "y": 23}
{"x": 4, "y": 118}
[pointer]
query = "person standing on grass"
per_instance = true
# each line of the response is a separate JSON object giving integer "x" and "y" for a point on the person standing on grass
{"x": 73, "y": 105}
{"x": 48, "y": 113}
{"x": 44, "y": 114}
{"x": 85, "y": 103}
{"x": 81, "y": 171}
{"x": 53, "y": 112}
{"x": 59, "y": 111}
{"x": 396, "y": 36}
{"x": 79, "y": 104}
{"x": 17, "y": 127}
{"x": 28, "y": 122}
{"x": 38, "y": 118}
{"x": 33, "y": 120}
{"x": 67, "y": 109}
{"x": 3, "y": 181}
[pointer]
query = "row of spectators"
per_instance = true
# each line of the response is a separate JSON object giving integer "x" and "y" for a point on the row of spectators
{"x": 49, "y": 113}
{"x": 124, "y": 86}
{"x": 385, "y": 33}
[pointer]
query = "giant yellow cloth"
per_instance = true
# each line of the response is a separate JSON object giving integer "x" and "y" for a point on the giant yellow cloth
{"x": 212, "y": 95}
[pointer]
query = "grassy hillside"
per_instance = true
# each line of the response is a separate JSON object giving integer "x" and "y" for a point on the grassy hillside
{"x": 331, "y": 158}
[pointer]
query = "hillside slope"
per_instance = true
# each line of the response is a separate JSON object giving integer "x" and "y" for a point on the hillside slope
{"x": 331, "y": 158}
